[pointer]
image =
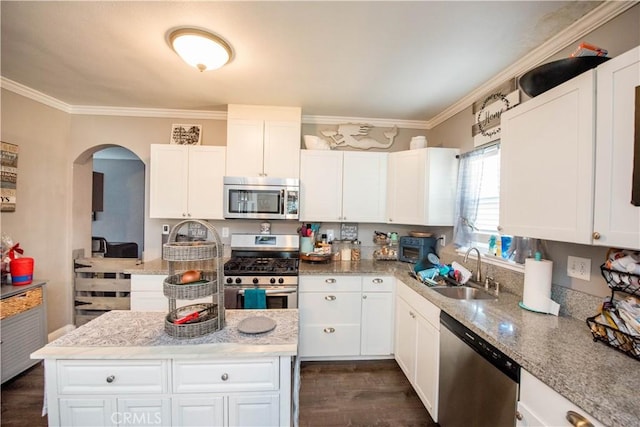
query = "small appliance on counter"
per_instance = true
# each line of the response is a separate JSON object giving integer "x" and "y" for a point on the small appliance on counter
{"x": 415, "y": 248}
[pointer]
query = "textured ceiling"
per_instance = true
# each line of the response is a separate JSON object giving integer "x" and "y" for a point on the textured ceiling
{"x": 383, "y": 59}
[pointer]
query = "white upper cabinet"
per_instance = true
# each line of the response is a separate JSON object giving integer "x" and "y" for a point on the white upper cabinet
{"x": 263, "y": 141}
{"x": 546, "y": 164}
{"x": 616, "y": 221}
{"x": 343, "y": 186}
{"x": 421, "y": 186}
{"x": 186, "y": 181}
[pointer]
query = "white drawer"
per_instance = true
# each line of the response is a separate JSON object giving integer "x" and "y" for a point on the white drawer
{"x": 147, "y": 282}
{"x": 100, "y": 377}
{"x": 424, "y": 307}
{"x": 329, "y": 340}
{"x": 377, "y": 283}
{"x": 334, "y": 283}
{"x": 226, "y": 375}
{"x": 329, "y": 307}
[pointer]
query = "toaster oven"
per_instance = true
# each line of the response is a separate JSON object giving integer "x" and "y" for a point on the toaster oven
{"x": 414, "y": 249}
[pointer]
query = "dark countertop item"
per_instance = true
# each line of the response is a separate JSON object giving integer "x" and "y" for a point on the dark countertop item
{"x": 560, "y": 351}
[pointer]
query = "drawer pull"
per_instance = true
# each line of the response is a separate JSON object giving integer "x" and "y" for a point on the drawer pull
{"x": 330, "y": 297}
{"x": 224, "y": 377}
{"x": 329, "y": 330}
{"x": 577, "y": 420}
{"x": 111, "y": 378}
{"x": 364, "y": 297}
{"x": 330, "y": 281}
{"x": 377, "y": 281}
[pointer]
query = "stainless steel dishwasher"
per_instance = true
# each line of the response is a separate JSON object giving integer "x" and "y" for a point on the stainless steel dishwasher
{"x": 478, "y": 383}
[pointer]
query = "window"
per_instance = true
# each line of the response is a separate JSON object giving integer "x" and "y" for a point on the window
{"x": 478, "y": 197}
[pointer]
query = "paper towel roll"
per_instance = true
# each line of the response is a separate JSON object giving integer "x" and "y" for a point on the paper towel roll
{"x": 537, "y": 286}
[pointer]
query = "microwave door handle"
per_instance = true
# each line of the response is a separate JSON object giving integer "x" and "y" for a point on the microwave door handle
{"x": 282, "y": 195}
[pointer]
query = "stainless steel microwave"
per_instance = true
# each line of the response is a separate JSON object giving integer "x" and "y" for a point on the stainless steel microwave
{"x": 261, "y": 197}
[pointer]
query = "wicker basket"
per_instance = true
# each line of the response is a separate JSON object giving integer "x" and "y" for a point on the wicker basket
{"x": 206, "y": 322}
{"x": 172, "y": 288}
{"x": 188, "y": 251}
{"x": 20, "y": 303}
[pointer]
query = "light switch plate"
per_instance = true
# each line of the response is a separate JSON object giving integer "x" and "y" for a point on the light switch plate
{"x": 580, "y": 268}
{"x": 225, "y": 231}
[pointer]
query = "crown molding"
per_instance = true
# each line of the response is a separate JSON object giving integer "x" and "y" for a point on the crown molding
{"x": 148, "y": 112}
{"x": 335, "y": 120}
{"x": 592, "y": 20}
{"x": 33, "y": 94}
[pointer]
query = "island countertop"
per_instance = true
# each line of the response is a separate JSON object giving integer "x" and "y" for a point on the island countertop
{"x": 122, "y": 334}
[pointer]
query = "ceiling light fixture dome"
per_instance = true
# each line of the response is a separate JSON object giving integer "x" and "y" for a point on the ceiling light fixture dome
{"x": 199, "y": 48}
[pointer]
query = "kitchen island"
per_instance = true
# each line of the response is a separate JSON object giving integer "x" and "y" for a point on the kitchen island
{"x": 559, "y": 351}
{"x": 122, "y": 368}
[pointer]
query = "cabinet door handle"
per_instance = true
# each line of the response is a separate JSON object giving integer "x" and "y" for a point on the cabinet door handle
{"x": 330, "y": 297}
{"x": 329, "y": 330}
{"x": 184, "y": 215}
{"x": 377, "y": 281}
{"x": 111, "y": 378}
{"x": 578, "y": 420}
{"x": 330, "y": 281}
{"x": 596, "y": 235}
{"x": 224, "y": 377}
{"x": 411, "y": 313}
{"x": 364, "y": 297}
{"x": 519, "y": 416}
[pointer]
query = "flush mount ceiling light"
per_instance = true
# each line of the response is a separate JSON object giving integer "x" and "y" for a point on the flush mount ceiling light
{"x": 199, "y": 48}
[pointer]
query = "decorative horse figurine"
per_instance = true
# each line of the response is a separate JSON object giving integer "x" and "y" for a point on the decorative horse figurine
{"x": 356, "y": 135}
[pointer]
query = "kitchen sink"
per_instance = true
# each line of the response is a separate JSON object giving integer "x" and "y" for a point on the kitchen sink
{"x": 463, "y": 292}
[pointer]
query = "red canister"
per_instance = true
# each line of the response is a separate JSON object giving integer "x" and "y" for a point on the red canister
{"x": 21, "y": 271}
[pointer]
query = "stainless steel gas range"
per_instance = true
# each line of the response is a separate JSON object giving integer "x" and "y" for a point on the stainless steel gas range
{"x": 265, "y": 261}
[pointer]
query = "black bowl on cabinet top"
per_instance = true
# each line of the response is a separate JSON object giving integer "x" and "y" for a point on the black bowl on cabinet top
{"x": 547, "y": 76}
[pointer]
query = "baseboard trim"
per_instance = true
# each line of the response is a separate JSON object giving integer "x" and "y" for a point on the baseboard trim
{"x": 60, "y": 332}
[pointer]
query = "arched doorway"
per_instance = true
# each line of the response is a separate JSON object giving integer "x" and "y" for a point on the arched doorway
{"x": 117, "y": 226}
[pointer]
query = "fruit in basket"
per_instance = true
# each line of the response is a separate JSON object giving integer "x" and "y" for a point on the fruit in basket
{"x": 190, "y": 276}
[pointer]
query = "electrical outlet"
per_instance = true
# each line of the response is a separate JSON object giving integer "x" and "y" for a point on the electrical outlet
{"x": 443, "y": 240}
{"x": 330, "y": 235}
{"x": 225, "y": 231}
{"x": 580, "y": 268}
{"x": 165, "y": 228}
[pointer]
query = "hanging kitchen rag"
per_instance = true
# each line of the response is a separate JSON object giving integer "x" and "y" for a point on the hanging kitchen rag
{"x": 231, "y": 298}
{"x": 255, "y": 299}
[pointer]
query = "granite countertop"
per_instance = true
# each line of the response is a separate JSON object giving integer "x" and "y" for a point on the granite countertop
{"x": 124, "y": 334}
{"x": 559, "y": 351}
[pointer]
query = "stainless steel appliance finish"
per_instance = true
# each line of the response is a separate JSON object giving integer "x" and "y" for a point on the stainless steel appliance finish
{"x": 261, "y": 197}
{"x": 265, "y": 261}
{"x": 478, "y": 383}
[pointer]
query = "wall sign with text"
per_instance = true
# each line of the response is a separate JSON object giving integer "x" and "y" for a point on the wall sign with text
{"x": 487, "y": 112}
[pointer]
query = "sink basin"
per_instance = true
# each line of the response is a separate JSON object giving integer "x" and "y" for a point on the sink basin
{"x": 462, "y": 292}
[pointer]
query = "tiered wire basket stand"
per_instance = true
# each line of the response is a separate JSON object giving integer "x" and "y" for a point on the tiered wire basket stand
{"x": 205, "y": 255}
{"x": 627, "y": 283}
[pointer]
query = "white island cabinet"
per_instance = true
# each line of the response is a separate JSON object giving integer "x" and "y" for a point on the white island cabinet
{"x": 122, "y": 369}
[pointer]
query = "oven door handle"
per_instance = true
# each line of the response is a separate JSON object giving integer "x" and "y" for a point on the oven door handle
{"x": 275, "y": 291}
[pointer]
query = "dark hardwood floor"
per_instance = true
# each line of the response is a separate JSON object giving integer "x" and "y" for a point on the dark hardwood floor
{"x": 363, "y": 393}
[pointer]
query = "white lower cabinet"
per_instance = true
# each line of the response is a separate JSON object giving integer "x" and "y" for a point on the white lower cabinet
{"x": 238, "y": 392}
{"x": 541, "y": 406}
{"x": 147, "y": 294}
{"x": 417, "y": 344}
{"x": 345, "y": 316}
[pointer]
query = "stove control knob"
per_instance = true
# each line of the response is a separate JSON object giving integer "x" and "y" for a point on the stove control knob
{"x": 229, "y": 280}
{"x": 272, "y": 280}
{"x": 281, "y": 280}
{"x": 238, "y": 280}
{"x": 255, "y": 280}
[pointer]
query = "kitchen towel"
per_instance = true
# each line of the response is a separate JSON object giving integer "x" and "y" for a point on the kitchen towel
{"x": 255, "y": 299}
{"x": 537, "y": 286}
{"x": 231, "y": 298}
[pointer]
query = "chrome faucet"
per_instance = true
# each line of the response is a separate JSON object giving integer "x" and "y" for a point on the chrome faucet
{"x": 478, "y": 264}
